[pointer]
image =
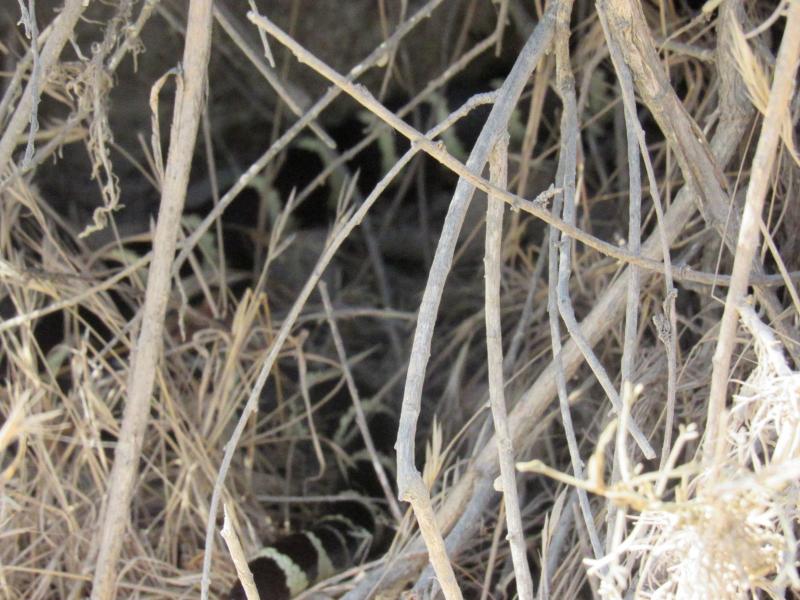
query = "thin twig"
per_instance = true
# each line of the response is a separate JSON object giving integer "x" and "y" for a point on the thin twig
{"x": 566, "y": 89}
{"x": 747, "y": 244}
{"x": 238, "y": 557}
{"x": 634, "y": 244}
{"x": 361, "y": 419}
{"x": 566, "y": 164}
{"x": 302, "y": 369}
{"x": 498, "y": 167}
{"x": 31, "y": 25}
{"x": 526, "y": 315}
{"x": 668, "y": 321}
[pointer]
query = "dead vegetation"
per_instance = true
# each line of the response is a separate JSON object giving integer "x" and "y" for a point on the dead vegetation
{"x": 628, "y": 333}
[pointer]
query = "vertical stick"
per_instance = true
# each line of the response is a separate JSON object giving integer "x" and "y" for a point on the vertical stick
{"x": 493, "y": 262}
{"x": 747, "y": 245}
{"x": 188, "y": 108}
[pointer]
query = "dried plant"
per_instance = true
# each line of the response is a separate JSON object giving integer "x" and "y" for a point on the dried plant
{"x": 232, "y": 235}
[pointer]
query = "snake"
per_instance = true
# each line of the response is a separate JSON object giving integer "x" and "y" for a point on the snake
{"x": 346, "y": 532}
{"x": 294, "y": 562}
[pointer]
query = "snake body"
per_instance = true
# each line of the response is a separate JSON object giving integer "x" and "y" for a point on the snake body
{"x": 345, "y": 532}
{"x": 297, "y": 561}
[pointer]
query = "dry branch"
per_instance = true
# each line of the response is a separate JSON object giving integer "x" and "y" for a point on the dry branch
{"x": 477, "y": 481}
{"x": 780, "y": 98}
{"x": 411, "y": 487}
{"x": 498, "y": 167}
{"x": 188, "y": 109}
{"x": 199, "y": 424}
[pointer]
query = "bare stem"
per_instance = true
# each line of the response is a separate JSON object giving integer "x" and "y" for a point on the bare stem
{"x": 498, "y": 166}
{"x": 748, "y": 242}
{"x": 188, "y": 109}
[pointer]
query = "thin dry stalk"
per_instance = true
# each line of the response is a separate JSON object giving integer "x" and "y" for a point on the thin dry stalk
{"x": 747, "y": 244}
{"x": 568, "y": 171}
{"x": 498, "y": 167}
{"x": 361, "y": 419}
{"x": 554, "y": 242}
{"x": 221, "y": 342}
{"x": 188, "y": 109}
{"x": 238, "y": 557}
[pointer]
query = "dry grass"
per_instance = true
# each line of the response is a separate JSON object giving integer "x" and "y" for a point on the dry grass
{"x": 640, "y": 478}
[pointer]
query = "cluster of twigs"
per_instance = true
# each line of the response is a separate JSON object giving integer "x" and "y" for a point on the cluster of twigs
{"x": 142, "y": 392}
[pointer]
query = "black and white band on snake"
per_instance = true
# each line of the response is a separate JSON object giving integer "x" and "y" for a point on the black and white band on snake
{"x": 340, "y": 539}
